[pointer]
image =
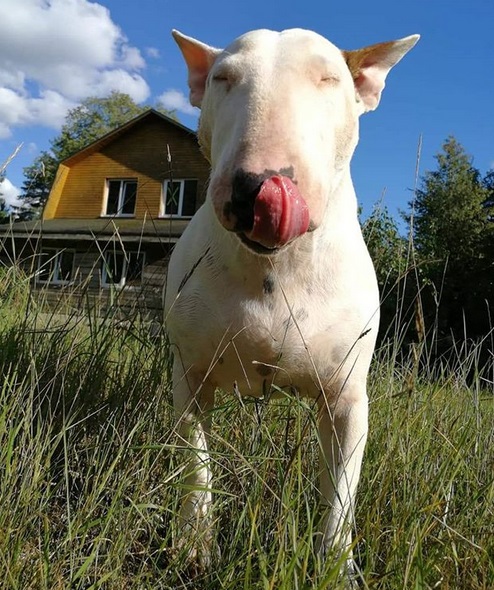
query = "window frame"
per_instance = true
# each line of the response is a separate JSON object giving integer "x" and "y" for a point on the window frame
{"x": 121, "y": 196}
{"x": 54, "y": 279}
{"x": 123, "y": 279}
{"x": 164, "y": 190}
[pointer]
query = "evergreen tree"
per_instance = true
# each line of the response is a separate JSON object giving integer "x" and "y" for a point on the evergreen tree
{"x": 489, "y": 186}
{"x": 488, "y": 243}
{"x": 450, "y": 229}
{"x": 4, "y": 212}
{"x": 449, "y": 214}
{"x": 38, "y": 179}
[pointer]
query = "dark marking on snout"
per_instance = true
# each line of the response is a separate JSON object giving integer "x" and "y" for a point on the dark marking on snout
{"x": 227, "y": 209}
{"x": 268, "y": 285}
{"x": 245, "y": 188}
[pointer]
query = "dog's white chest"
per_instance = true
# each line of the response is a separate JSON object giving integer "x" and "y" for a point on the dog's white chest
{"x": 248, "y": 341}
{"x": 263, "y": 328}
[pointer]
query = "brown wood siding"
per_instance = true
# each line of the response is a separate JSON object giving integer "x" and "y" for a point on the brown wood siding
{"x": 139, "y": 153}
{"x": 85, "y": 288}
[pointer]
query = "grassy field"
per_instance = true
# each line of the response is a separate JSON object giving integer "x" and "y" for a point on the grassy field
{"x": 90, "y": 472}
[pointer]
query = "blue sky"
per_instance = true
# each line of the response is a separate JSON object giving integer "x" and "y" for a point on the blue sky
{"x": 54, "y": 53}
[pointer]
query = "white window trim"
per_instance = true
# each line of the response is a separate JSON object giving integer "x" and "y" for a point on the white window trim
{"x": 164, "y": 189}
{"x": 54, "y": 280}
{"x": 122, "y": 283}
{"x": 120, "y": 198}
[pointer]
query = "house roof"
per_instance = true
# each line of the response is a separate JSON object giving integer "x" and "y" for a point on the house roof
{"x": 127, "y": 230}
{"x": 100, "y": 143}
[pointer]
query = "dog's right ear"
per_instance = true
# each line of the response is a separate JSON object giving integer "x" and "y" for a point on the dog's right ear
{"x": 199, "y": 58}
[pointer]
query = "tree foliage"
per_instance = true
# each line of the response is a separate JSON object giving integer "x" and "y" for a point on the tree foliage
{"x": 489, "y": 187}
{"x": 38, "y": 179}
{"x": 452, "y": 230}
{"x": 439, "y": 286}
{"x": 388, "y": 250}
{"x": 92, "y": 119}
{"x": 4, "y": 213}
{"x": 385, "y": 244}
{"x": 449, "y": 213}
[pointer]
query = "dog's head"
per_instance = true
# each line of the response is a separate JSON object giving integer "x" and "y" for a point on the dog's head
{"x": 279, "y": 124}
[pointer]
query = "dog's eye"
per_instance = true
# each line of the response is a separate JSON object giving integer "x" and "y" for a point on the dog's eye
{"x": 222, "y": 80}
{"x": 329, "y": 79}
{"x": 223, "y": 77}
{"x": 322, "y": 71}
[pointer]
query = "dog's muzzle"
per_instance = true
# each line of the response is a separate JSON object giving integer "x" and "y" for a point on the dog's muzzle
{"x": 269, "y": 212}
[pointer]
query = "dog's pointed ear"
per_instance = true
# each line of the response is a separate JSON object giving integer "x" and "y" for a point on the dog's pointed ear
{"x": 370, "y": 66}
{"x": 199, "y": 58}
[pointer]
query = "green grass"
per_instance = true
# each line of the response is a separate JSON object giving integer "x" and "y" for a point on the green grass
{"x": 90, "y": 470}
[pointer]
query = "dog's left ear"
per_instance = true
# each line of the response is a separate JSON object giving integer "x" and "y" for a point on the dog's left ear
{"x": 199, "y": 58}
{"x": 370, "y": 66}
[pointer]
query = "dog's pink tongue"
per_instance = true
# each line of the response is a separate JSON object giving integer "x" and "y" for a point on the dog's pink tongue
{"x": 280, "y": 213}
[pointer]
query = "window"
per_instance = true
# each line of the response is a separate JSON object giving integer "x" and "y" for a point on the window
{"x": 179, "y": 198}
{"x": 122, "y": 269}
{"x": 121, "y": 197}
{"x": 56, "y": 266}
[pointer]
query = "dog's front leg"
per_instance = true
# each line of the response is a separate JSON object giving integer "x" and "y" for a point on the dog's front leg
{"x": 193, "y": 401}
{"x": 343, "y": 433}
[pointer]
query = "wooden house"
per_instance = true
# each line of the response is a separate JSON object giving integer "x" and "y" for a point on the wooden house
{"x": 114, "y": 212}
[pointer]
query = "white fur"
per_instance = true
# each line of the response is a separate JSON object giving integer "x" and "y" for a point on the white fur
{"x": 306, "y": 316}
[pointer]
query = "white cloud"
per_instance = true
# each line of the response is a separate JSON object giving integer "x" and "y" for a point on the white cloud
{"x": 152, "y": 52}
{"x": 4, "y": 131}
{"x": 49, "y": 108}
{"x": 9, "y": 193}
{"x": 18, "y": 109}
{"x": 55, "y": 53}
{"x": 176, "y": 100}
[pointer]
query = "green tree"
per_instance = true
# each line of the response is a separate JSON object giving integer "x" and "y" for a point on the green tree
{"x": 4, "y": 211}
{"x": 488, "y": 183}
{"x": 387, "y": 248}
{"x": 388, "y": 251}
{"x": 450, "y": 227}
{"x": 92, "y": 119}
{"x": 449, "y": 213}
{"x": 38, "y": 179}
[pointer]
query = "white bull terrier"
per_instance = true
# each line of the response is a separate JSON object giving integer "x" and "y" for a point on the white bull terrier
{"x": 271, "y": 283}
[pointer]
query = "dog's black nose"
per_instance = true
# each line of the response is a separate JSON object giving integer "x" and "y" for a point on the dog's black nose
{"x": 245, "y": 188}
